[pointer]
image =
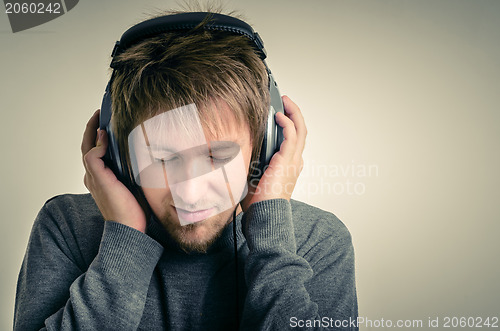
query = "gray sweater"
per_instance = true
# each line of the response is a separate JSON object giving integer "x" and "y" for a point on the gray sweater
{"x": 296, "y": 268}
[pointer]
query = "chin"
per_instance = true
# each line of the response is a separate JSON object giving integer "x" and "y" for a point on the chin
{"x": 196, "y": 237}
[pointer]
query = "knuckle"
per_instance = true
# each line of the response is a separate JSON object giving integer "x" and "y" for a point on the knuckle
{"x": 86, "y": 181}
{"x": 87, "y": 158}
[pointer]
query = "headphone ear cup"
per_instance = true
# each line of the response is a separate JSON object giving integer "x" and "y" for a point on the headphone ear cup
{"x": 112, "y": 158}
{"x": 277, "y": 105}
{"x": 273, "y": 134}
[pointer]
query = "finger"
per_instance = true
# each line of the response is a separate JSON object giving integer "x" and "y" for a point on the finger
{"x": 89, "y": 135}
{"x": 289, "y": 134}
{"x": 293, "y": 112}
{"x": 93, "y": 159}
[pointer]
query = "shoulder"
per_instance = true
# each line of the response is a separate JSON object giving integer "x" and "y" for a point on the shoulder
{"x": 72, "y": 201}
{"x": 73, "y": 221}
{"x": 319, "y": 230}
{"x": 73, "y": 209}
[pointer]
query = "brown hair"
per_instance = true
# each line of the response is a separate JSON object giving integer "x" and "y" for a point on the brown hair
{"x": 200, "y": 66}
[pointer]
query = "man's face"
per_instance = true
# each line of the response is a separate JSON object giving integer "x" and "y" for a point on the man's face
{"x": 192, "y": 179}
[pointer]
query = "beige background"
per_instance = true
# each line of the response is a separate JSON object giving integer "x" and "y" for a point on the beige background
{"x": 406, "y": 90}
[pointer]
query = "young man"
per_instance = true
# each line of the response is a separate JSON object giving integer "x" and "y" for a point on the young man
{"x": 190, "y": 242}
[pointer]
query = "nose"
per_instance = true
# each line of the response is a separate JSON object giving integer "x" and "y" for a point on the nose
{"x": 194, "y": 184}
{"x": 190, "y": 191}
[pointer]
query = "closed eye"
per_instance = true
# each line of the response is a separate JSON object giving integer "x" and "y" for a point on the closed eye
{"x": 167, "y": 159}
{"x": 219, "y": 159}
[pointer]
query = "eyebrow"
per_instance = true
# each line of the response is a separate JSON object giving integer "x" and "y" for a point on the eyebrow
{"x": 158, "y": 148}
{"x": 212, "y": 145}
{"x": 222, "y": 145}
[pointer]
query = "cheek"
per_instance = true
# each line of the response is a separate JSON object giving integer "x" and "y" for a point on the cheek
{"x": 247, "y": 155}
{"x": 236, "y": 176}
{"x": 157, "y": 197}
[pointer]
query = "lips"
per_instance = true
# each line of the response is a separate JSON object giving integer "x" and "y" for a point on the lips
{"x": 189, "y": 217}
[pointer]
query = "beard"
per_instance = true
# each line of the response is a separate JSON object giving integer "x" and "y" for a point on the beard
{"x": 197, "y": 237}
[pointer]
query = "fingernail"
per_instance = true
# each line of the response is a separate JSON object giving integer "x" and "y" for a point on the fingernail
{"x": 100, "y": 134}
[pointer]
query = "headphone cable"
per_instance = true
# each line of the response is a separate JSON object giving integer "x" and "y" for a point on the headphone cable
{"x": 236, "y": 268}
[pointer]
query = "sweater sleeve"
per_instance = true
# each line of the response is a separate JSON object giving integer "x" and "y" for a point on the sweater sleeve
{"x": 313, "y": 289}
{"x": 54, "y": 293}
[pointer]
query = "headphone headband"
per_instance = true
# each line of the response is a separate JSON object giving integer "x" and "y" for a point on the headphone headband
{"x": 188, "y": 21}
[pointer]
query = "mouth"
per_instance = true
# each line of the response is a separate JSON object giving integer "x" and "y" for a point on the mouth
{"x": 193, "y": 216}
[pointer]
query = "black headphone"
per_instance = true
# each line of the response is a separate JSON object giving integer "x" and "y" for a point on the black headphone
{"x": 273, "y": 136}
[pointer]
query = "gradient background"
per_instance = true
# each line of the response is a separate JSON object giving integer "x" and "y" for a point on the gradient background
{"x": 410, "y": 87}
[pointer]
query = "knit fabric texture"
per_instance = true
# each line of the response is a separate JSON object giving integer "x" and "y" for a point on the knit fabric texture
{"x": 295, "y": 263}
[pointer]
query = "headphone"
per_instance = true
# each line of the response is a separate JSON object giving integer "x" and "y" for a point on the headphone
{"x": 273, "y": 135}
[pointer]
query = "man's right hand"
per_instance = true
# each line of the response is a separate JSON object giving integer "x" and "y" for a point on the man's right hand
{"x": 114, "y": 200}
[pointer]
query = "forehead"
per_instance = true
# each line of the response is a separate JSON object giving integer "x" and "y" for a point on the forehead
{"x": 220, "y": 122}
{"x": 188, "y": 126}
